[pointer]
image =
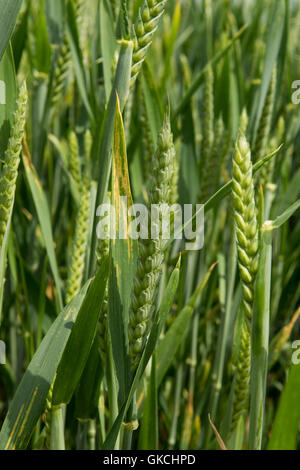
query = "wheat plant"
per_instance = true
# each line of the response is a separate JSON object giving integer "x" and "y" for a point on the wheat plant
{"x": 116, "y": 332}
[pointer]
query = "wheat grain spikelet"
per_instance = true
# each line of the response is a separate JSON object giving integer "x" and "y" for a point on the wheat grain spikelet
{"x": 145, "y": 27}
{"x": 151, "y": 255}
{"x": 10, "y": 167}
{"x": 246, "y": 230}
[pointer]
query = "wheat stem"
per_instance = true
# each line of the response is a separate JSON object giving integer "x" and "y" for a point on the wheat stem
{"x": 207, "y": 135}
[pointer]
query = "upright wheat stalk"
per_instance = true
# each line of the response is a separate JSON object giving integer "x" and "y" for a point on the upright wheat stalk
{"x": 247, "y": 246}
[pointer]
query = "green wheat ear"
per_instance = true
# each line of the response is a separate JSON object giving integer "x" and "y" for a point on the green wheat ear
{"x": 76, "y": 268}
{"x": 246, "y": 230}
{"x": 145, "y": 26}
{"x": 74, "y": 160}
{"x": 80, "y": 240}
{"x": 78, "y": 9}
{"x": 102, "y": 251}
{"x": 11, "y": 163}
{"x": 151, "y": 251}
{"x": 61, "y": 70}
{"x": 244, "y": 121}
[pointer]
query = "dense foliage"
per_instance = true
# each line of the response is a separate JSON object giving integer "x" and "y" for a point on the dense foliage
{"x": 143, "y": 344}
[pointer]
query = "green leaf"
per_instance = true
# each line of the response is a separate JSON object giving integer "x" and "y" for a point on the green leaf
{"x": 260, "y": 339}
{"x": 275, "y": 29}
{"x": 77, "y": 60}
{"x": 9, "y": 12}
{"x": 169, "y": 345}
{"x": 150, "y": 346}
{"x": 123, "y": 258}
{"x": 152, "y": 102}
{"x": 19, "y": 37}
{"x": 42, "y": 208}
{"x": 199, "y": 79}
{"x": 284, "y": 217}
{"x": 289, "y": 195}
{"x": 148, "y": 437}
{"x": 108, "y": 44}
{"x": 42, "y": 53}
{"x": 55, "y": 10}
{"x": 172, "y": 340}
{"x": 62, "y": 148}
{"x": 170, "y": 42}
{"x": 285, "y": 430}
{"x": 29, "y": 399}
{"x": 87, "y": 395}
{"x": 104, "y": 144}
{"x": 8, "y": 96}
{"x": 80, "y": 342}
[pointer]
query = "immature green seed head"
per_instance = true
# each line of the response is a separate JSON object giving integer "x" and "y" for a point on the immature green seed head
{"x": 151, "y": 251}
{"x": 88, "y": 143}
{"x": 244, "y": 122}
{"x": 143, "y": 31}
{"x": 163, "y": 166}
{"x": 9, "y": 171}
{"x": 74, "y": 160}
{"x": 61, "y": 70}
{"x": 246, "y": 230}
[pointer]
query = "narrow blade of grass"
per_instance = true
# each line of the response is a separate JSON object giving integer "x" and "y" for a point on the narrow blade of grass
{"x": 29, "y": 399}
{"x": 81, "y": 339}
{"x": 198, "y": 81}
{"x": 42, "y": 208}
{"x": 123, "y": 258}
{"x": 150, "y": 346}
{"x": 9, "y": 12}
